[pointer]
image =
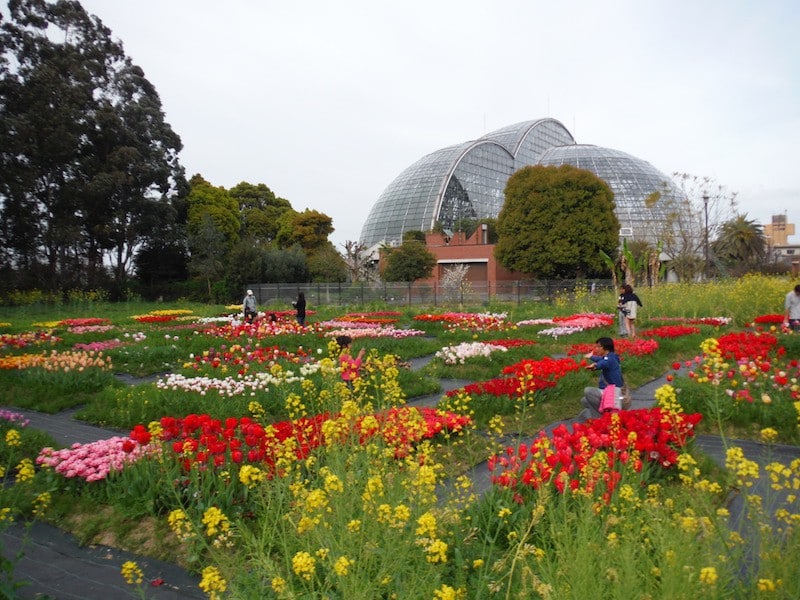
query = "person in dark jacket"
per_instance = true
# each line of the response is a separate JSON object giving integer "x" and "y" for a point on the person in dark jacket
{"x": 604, "y": 359}
{"x": 621, "y": 310}
{"x": 630, "y": 303}
{"x": 300, "y": 308}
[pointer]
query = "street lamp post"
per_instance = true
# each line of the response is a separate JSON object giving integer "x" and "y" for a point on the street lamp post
{"x": 705, "y": 235}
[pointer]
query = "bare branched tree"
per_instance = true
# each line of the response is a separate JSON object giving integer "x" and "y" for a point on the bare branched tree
{"x": 358, "y": 261}
{"x": 692, "y": 228}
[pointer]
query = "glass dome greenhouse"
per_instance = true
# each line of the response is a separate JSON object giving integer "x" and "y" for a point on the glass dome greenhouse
{"x": 466, "y": 181}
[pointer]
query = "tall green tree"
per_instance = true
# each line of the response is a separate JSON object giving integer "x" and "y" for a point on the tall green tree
{"x": 325, "y": 264}
{"x": 210, "y": 203}
{"x": 408, "y": 262}
{"x": 308, "y": 229}
{"x": 260, "y": 211}
{"x": 76, "y": 114}
{"x": 741, "y": 245}
{"x": 555, "y": 222}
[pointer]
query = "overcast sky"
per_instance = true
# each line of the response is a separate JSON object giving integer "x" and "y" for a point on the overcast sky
{"x": 327, "y": 102}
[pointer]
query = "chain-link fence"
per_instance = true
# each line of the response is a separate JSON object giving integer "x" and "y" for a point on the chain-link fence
{"x": 408, "y": 294}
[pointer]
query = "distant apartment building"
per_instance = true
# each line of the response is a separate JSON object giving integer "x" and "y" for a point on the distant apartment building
{"x": 780, "y": 250}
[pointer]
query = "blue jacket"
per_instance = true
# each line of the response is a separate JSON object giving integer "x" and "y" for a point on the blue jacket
{"x": 610, "y": 369}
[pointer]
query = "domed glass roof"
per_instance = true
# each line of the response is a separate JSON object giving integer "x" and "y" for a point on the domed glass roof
{"x": 467, "y": 181}
{"x": 643, "y": 195}
{"x": 459, "y": 182}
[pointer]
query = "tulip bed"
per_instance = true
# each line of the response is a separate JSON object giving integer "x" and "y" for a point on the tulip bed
{"x": 268, "y": 477}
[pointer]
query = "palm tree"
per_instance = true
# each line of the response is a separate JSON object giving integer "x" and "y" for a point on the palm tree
{"x": 741, "y": 245}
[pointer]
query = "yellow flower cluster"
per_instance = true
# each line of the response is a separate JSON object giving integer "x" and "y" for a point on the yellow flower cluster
{"x": 295, "y": 407}
{"x": 304, "y": 565}
{"x": 278, "y": 585}
{"x": 250, "y": 476}
{"x": 5, "y": 515}
{"x": 13, "y": 438}
{"x": 256, "y": 409}
{"x": 436, "y": 551}
{"x": 769, "y": 435}
{"x": 41, "y": 503}
{"x": 746, "y": 471}
{"x": 449, "y": 593}
{"x": 173, "y": 312}
{"x": 426, "y": 525}
{"x": 395, "y": 518}
{"x": 212, "y": 583}
{"x": 132, "y": 573}
{"x": 708, "y": 576}
{"x": 667, "y": 398}
{"x": 180, "y": 524}
{"x": 342, "y": 566}
{"x": 25, "y": 470}
{"x": 215, "y": 521}
{"x": 46, "y": 324}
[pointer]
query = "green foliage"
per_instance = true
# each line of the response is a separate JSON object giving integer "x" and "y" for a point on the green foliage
{"x": 88, "y": 165}
{"x": 260, "y": 211}
{"x": 326, "y": 264}
{"x": 555, "y": 221}
{"x": 741, "y": 246}
{"x": 215, "y": 205}
{"x": 414, "y": 236}
{"x": 308, "y": 229}
{"x": 409, "y": 262}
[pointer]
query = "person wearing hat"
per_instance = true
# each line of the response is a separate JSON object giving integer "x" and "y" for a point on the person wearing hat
{"x": 249, "y": 307}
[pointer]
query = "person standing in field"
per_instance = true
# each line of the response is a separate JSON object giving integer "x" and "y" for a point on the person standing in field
{"x": 791, "y": 309}
{"x": 300, "y": 308}
{"x": 249, "y": 307}
{"x": 351, "y": 367}
{"x": 631, "y": 303}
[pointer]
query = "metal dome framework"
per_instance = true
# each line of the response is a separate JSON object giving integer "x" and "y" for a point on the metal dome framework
{"x": 466, "y": 181}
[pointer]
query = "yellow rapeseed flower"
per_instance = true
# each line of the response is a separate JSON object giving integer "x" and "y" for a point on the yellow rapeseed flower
{"x": 769, "y": 435}
{"x": 449, "y": 593}
{"x": 708, "y": 575}
{"x": 212, "y": 583}
{"x": 180, "y": 524}
{"x": 342, "y": 566}
{"x": 13, "y": 438}
{"x": 25, "y": 470}
{"x": 132, "y": 573}
{"x": 250, "y": 476}
{"x": 215, "y": 521}
{"x": 303, "y": 565}
{"x": 436, "y": 552}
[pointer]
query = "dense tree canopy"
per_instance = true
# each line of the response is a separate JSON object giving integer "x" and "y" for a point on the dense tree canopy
{"x": 87, "y": 162}
{"x": 260, "y": 211}
{"x": 409, "y": 262}
{"x": 555, "y": 222}
{"x": 310, "y": 229}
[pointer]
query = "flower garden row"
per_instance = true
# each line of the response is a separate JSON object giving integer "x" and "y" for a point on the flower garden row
{"x": 237, "y": 465}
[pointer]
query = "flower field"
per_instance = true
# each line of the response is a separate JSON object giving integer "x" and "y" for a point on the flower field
{"x": 261, "y": 471}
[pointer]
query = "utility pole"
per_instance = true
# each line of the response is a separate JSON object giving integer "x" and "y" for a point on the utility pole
{"x": 705, "y": 234}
